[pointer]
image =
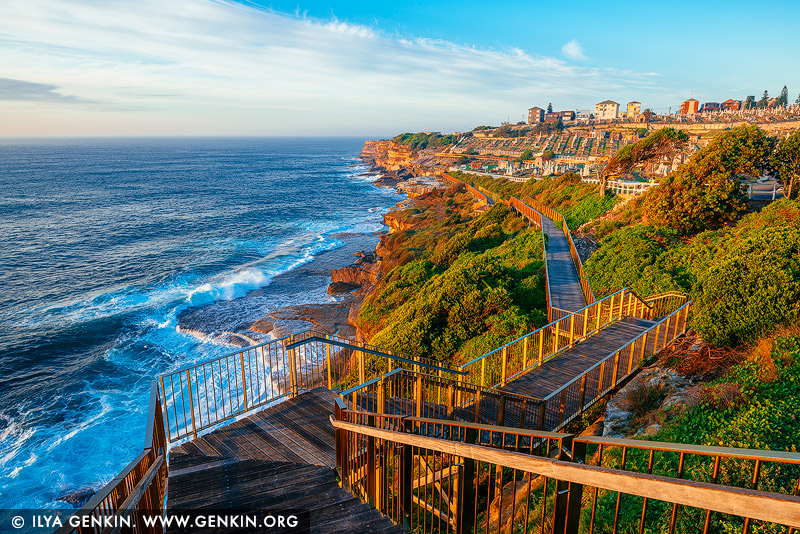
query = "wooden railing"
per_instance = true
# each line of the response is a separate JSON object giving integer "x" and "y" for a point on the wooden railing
{"x": 445, "y": 476}
{"x": 576, "y": 259}
{"x": 481, "y": 199}
{"x": 497, "y": 367}
{"x": 422, "y": 395}
{"x": 138, "y": 489}
{"x": 201, "y": 396}
{"x": 571, "y": 400}
{"x": 536, "y": 218}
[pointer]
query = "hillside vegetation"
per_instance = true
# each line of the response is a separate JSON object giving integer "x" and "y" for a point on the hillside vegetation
{"x": 465, "y": 285}
{"x": 419, "y": 141}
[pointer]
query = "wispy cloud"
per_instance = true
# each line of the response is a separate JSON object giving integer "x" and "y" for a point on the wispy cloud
{"x": 573, "y": 50}
{"x": 28, "y": 91}
{"x": 224, "y": 67}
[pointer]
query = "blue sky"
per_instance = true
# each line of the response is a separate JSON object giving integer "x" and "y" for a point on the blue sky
{"x": 224, "y": 67}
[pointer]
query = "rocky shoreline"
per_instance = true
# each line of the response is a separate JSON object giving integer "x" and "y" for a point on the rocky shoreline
{"x": 349, "y": 285}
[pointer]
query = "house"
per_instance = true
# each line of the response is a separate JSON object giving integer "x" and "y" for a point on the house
{"x": 552, "y": 117}
{"x": 607, "y": 109}
{"x": 689, "y": 107}
{"x": 731, "y": 105}
{"x": 710, "y": 106}
{"x": 634, "y": 108}
{"x": 567, "y": 115}
{"x": 535, "y": 115}
{"x": 583, "y": 115}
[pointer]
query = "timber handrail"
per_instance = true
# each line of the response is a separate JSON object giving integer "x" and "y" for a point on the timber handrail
{"x": 760, "y": 505}
{"x": 411, "y": 360}
{"x": 573, "y": 398}
{"x": 576, "y": 258}
{"x": 141, "y": 485}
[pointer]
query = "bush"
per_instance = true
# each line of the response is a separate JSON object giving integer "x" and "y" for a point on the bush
{"x": 710, "y": 190}
{"x": 754, "y": 287}
{"x": 644, "y": 258}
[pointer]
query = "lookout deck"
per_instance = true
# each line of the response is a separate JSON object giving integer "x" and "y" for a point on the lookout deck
{"x": 565, "y": 286}
{"x": 280, "y": 458}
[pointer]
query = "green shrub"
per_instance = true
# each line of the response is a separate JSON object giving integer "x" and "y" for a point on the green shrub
{"x": 752, "y": 288}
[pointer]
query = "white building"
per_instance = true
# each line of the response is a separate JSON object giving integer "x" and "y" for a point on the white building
{"x": 607, "y": 109}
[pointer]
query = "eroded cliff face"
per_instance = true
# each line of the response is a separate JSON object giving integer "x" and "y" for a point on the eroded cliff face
{"x": 395, "y": 224}
{"x": 387, "y": 155}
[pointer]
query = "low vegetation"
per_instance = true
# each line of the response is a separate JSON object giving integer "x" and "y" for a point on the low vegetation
{"x": 468, "y": 285}
{"x": 419, "y": 141}
{"x": 578, "y": 202}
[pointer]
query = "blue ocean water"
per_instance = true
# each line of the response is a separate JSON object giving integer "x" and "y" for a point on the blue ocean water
{"x": 103, "y": 243}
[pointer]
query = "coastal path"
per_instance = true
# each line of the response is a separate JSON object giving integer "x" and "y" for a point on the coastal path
{"x": 279, "y": 458}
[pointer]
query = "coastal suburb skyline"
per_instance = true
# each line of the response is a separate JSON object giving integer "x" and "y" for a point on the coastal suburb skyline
{"x": 252, "y": 67}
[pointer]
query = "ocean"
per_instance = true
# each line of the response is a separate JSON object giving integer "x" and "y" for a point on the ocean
{"x": 106, "y": 243}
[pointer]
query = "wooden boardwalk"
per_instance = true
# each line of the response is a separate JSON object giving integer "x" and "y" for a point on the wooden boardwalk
{"x": 571, "y": 363}
{"x": 565, "y": 286}
{"x": 280, "y": 458}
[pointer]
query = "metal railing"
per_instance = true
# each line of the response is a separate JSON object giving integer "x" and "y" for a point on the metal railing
{"x": 444, "y": 476}
{"x": 536, "y": 218}
{"x": 407, "y": 392}
{"x": 139, "y": 488}
{"x": 497, "y": 367}
{"x": 203, "y": 395}
{"x": 576, "y": 259}
{"x": 571, "y": 400}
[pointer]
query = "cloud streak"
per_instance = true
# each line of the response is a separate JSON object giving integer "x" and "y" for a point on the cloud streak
{"x": 573, "y": 50}
{"x": 29, "y": 91}
{"x": 233, "y": 68}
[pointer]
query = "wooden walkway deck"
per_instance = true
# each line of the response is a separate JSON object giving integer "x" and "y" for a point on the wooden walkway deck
{"x": 563, "y": 368}
{"x": 565, "y": 286}
{"x": 280, "y": 458}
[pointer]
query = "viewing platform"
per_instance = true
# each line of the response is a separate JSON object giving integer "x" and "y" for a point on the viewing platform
{"x": 279, "y": 458}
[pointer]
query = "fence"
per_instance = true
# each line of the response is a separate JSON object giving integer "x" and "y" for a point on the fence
{"x": 139, "y": 488}
{"x": 497, "y": 367}
{"x": 203, "y": 395}
{"x": 571, "y": 400}
{"x": 576, "y": 259}
{"x": 444, "y": 476}
{"x": 403, "y": 392}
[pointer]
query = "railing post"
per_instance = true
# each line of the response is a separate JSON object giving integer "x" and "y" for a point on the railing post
{"x": 381, "y": 400}
{"x": 541, "y": 346}
{"x": 483, "y": 372}
{"x": 361, "y": 375}
{"x": 555, "y": 338}
{"x": 572, "y": 331}
{"x": 451, "y": 400}
{"x": 503, "y": 368}
{"x": 585, "y": 321}
{"x": 330, "y": 373}
{"x": 465, "y": 490}
{"x": 371, "y": 486}
{"x": 562, "y": 405}
{"x": 406, "y": 468}
{"x": 501, "y": 411}
{"x": 582, "y": 396}
{"x": 525, "y": 353}
{"x": 616, "y": 368}
{"x": 191, "y": 403}
{"x": 600, "y": 379}
{"x": 244, "y": 381}
{"x": 293, "y": 369}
